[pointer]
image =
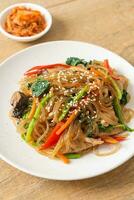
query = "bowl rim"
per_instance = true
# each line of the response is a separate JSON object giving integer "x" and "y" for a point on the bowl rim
{"x": 30, "y": 5}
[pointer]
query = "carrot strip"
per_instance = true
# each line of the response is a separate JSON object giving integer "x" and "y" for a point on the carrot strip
{"x": 96, "y": 72}
{"x": 109, "y": 139}
{"x": 67, "y": 123}
{"x": 63, "y": 158}
{"x": 119, "y": 138}
{"x": 32, "y": 111}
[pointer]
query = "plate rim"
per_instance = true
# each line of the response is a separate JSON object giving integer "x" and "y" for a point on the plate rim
{"x": 53, "y": 177}
{"x": 62, "y": 41}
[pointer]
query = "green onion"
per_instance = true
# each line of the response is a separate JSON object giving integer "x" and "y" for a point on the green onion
{"x": 73, "y": 155}
{"x": 34, "y": 144}
{"x": 126, "y": 128}
{"x": 74, "y": 100}
{"x": 105, "y": 128}
{"x": 118, "y": 112}
{"x": 36, "y": 116}
{"x": 116, "y": 87}
{"x": 25, "y": 115}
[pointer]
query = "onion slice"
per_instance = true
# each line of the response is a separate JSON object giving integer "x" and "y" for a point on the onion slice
{"x": 106, "y": 149}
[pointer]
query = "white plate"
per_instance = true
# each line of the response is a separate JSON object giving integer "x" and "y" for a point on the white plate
{"x": 16, "y": 152}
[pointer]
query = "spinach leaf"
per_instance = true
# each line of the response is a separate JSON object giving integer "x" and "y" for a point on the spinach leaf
{"x": 124, "y": 99}
{"x": 105, "y": 128}
{"x": 40, "y": 87}
{"x": 74, "y": 61}
{"x": 89, "y": 132}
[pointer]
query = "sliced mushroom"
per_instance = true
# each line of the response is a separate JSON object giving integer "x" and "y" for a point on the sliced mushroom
{"x": 19, "y": 101}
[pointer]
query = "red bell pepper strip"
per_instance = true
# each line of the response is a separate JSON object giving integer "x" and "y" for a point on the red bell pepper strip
{"x": 33, "y": 72}
{"x": 106, "y": 64}
{"x": 43, "y": 67}
{"x": 52, "y": 138}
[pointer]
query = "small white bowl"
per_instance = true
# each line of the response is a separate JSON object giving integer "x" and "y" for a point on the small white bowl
{"x": 42, "y": 10}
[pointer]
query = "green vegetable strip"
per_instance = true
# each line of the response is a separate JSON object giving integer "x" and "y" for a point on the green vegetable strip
{"x": 124, "y": 127}
{"x": 105, "y": 128}
{"x": 36, "y": 116}
{"x": 23, "y": 136}
{"x": 74, "y": 100}
{"x": 73, "y": 155}
{"x": 81, "y": 93}
{"x": 118, "y": 91}
{"x": 118, "y": 112}
{"x": 25, "y": 115}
